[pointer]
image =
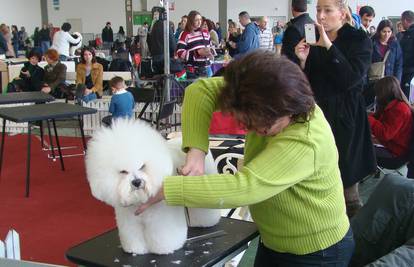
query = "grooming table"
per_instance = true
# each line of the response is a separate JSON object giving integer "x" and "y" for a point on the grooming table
{"x": 231, "y": 239}
{"x": 33, "y": 113}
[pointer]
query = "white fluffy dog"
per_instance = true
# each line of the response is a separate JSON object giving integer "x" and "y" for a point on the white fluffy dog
{"x": 126, "y": 165}
{"x": 74, "y": 47}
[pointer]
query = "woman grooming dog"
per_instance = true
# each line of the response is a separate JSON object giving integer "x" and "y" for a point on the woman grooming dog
{"x": 290, "y": 179}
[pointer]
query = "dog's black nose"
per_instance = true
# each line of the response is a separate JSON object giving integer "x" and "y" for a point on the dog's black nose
{"x": 136, "y": 182}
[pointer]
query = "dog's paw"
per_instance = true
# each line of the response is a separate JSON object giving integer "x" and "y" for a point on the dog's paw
{"x": 135, "y": 249}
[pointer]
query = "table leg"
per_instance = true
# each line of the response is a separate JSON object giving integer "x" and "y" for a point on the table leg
{"x": 3, "y": 134}
{"x": 29, "y": 141}
{"x": 58, "y": 145}
{"x": 143, "y": 110}
{"x": 52, "y": 149}
{"x": 41, "y": 134}
{"x": 82, "y": 133}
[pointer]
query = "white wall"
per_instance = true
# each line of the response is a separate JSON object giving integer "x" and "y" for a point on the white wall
{"x": 21, "y": 13}
{"x": 257, "y": 8}
{"x": 94, "y": 13}
{"x": 382, "y": 8}
{"x": 208, "y": 9}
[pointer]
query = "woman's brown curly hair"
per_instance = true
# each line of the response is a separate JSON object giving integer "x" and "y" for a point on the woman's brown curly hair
{"x": 261, "y": 88}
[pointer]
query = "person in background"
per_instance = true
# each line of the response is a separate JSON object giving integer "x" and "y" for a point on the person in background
{"x": 52, "y": 30}
{"x": 400, "y": 30}
{"x": 122, "y": 102}
{"x": 62, "y": 41}
{"x": 391, "y": 124}
{"x": 143, "y": 35}
{"x": 55, "y": 74}
{"x": 407, "y": 47}
{"x": 3, "y": 44}
{"x": 299, "y": 212}
{"x": 23, "y": 38}
{"x": 336, "y": 67}
{"x": 278, "y": 33}
{"x": 181, "y": 27}
{"x": 372, "y": 30}
{"x": 367, "y": 15}
{"x": 234, "y": 36}
{"x": 249, "y": 40}
{"x": 194, "y": 47}
{"x": 5, "y": 30}
{"x": 295, "y": 30}
{"x": 44, "y": 38}
{"x": 31, "y": 75}
{"x": 156, "y": 44}
{"x": 89, "y": 77}
{"x": 36, "y": 39}
{"x": 107, "y": 36}
{"x": 265, "y": 34}
{"x": 219, "y": 31}
{"x": 211, "y": 28}
{"x": 385, "y": 43}
{"x": 15, "y": 39}
{"x": 120, "y": 36}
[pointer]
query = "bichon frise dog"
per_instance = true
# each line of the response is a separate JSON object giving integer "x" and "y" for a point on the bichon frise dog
{"x": 125, "y": 166}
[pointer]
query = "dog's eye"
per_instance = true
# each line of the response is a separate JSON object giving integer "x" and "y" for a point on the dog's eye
{"x": 123, "y": 172}
{"x": 142, "y": 167}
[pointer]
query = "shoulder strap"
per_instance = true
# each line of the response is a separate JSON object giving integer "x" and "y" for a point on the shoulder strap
{"x": 386, "y": 55}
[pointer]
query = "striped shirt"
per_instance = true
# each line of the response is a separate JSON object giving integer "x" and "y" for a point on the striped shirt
{"x": 189, "y": 43}
{"x": 266, "y": 39}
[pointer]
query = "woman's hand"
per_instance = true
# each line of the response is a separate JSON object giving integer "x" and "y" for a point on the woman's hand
{"x": 232, "y": 44}
{"x": 46, "y": 89}
{"x": 204, "y": 52}
{"x": 302, "y": 52}
{"x": 151, "y": 201}
{"x": 26, "y": 73}
{"x": 323, "y": 37}
{"x": 194, "y": 163}
{"x": 88, "y": 91}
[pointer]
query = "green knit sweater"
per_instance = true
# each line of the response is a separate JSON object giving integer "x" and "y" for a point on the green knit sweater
{"x": 291, "y": 182}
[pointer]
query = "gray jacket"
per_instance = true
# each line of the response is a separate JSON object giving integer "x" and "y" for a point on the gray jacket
{"x": 385, "y": 223}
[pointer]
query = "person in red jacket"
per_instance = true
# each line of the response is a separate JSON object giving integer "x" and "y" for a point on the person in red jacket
{"x": 391, "y": 124}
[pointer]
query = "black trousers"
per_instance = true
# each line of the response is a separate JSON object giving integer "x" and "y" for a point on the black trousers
{"x": 405, "y": 83}
{"x": 387, "y": 160}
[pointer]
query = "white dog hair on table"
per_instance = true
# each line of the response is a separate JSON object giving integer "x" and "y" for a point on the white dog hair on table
{"x": 126, "y": 165}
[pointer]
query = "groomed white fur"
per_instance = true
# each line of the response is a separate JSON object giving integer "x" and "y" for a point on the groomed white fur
{"x": 72, "y": 49}
{"x": 125, "y": 166}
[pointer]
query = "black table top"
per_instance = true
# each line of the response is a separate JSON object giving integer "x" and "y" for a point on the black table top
{"x": 30, "y": 113}
{"x": 105, "y": 250}
{"x": 25, "y": 97}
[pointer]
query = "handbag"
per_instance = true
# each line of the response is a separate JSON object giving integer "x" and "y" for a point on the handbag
{"x": 377, "y": 69}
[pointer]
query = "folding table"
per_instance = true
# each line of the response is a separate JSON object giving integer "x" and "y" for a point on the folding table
{"x": 33, "y": 113}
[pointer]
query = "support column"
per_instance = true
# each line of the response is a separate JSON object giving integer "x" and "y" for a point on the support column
{"x": 43, "y": 12}
{"x": 128, "y": 16}
{"x": 223, "y": 17}
{"x": 144, "y": 5}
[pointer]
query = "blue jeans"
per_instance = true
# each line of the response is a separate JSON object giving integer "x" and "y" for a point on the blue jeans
{"x": 337, "y": 255}
{"x": 90, "y": 97}
{"x": 45, "y": 45}
{"x": 63, "y": 58}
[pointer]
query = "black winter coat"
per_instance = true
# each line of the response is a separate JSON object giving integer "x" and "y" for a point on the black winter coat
{"x": 336, "y": 76}
{"x": 107, "y": 35}
{"x": 293, "y": 34}
{"x": 35, "y": 81}
{"x": 407, "y": 47}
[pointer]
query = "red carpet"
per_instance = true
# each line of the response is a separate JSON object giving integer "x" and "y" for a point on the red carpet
{"x": 60, "y": 211}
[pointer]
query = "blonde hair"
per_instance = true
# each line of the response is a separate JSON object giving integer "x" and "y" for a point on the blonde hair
{"x": 343, "y": 4}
